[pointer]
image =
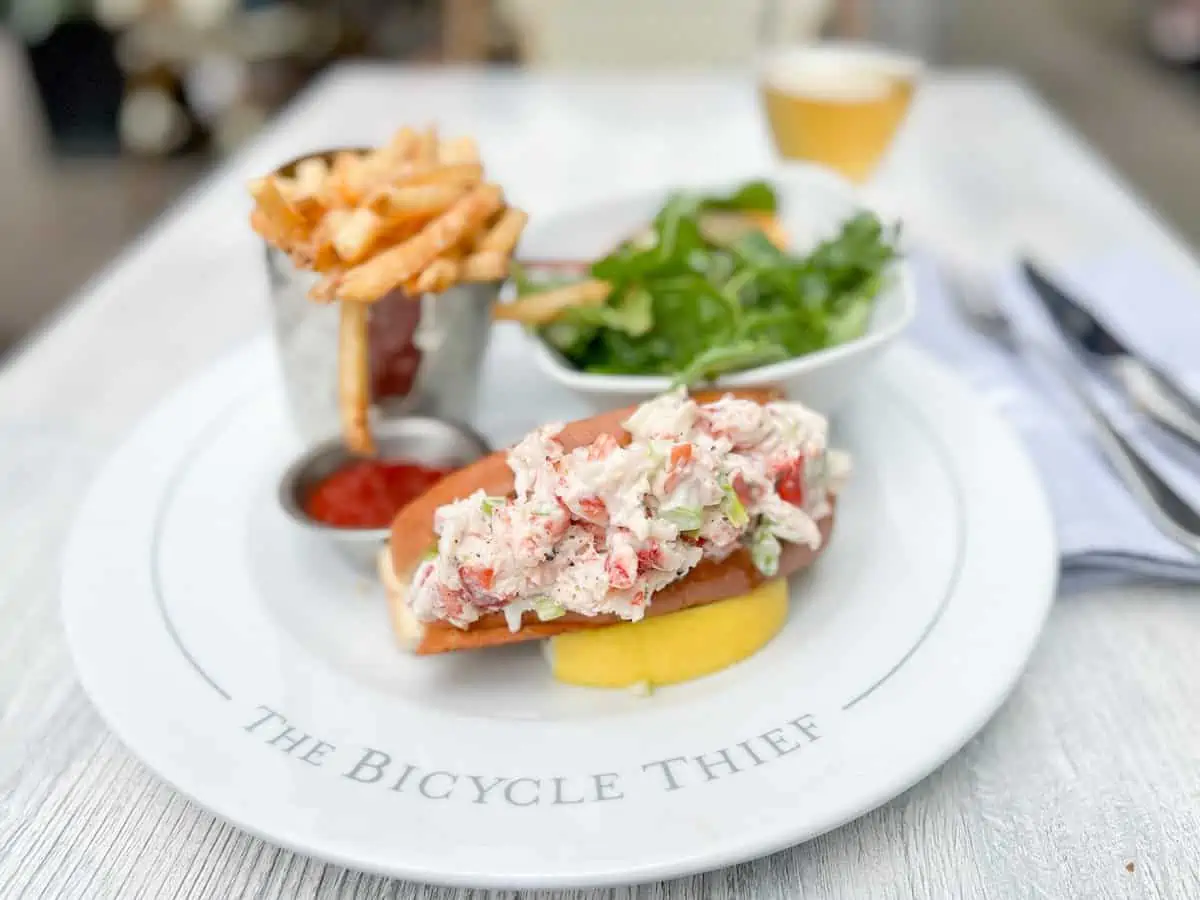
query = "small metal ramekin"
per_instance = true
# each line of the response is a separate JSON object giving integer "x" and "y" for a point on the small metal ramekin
{"x": 421, "y": 439}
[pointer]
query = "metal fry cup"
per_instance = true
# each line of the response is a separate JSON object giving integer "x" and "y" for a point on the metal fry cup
{"x": 426, "y": 353}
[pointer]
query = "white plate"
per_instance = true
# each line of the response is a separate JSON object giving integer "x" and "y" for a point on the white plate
{"x": 244, "y": 662}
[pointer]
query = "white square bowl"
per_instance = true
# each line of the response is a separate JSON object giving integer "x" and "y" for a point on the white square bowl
{"x": 813, "y": 205}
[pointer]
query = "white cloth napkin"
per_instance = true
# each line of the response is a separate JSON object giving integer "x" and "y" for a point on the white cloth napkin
{"x": 1103, "y": 533}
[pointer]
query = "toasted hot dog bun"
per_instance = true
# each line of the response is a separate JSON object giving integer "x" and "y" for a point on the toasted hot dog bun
{"x": 709, "y": 582}
{"x": 412, "y": 535}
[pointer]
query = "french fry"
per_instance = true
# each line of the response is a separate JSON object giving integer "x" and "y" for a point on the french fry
{"x": 317, "y": 256}
{"x": 318, "y": 252}
{"x": 376, "y": 169}
{"x": 772, "y": 228}
{"x": 502, "y": 237}
{"x": 413, "y": 200}
{"x": 354, "y": 381}
{"x": 343, "y": 185}
{"x": 402, "y": 145}
{"x": 285, "y": 184}
{"x": 459, "y": 174}
{"x": 425, "y": 149}
{"x": 372, "y": 279}
{"x": 546, "y": 306}
{"x": 397, "y": 231}
{"x": 410, "y": 174}
{"x": 485, "y": 265}
{"x": 458, "y": 150}
{"x": 321, "y": 248}
{"x": 266, "y": 228}
{"x": 333, "y": 220}
{"x": 307, "y": 188}
{"x": 356, "y": 235}
{"x": 726, "y": 227}
{"x": 310, "y": 177}
{"x": 438, "y": 276}
{"x": 284, "y": 220}
{"x": 325, "y": 290}
{"x": 382, "y": 173}
{"x": 307, "y": 207}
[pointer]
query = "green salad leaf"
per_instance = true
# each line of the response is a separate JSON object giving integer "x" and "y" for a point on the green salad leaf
{"x": 690, "y": 306}
{"x": 753, "y": 196}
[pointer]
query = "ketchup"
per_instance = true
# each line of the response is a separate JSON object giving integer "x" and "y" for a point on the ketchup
{"x": 393, "y": 355}
{"x": 369, "y": 493}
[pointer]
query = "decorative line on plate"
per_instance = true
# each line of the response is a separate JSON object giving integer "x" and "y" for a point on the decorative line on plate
{"x": 960, "y": 530}
{"x": 211, "y": 431}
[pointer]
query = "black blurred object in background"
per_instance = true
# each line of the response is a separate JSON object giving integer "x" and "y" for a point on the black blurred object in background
{"x": 1173, "y": 30}
{"x": 161, "y": 78}
{"x": 80, "y": 86}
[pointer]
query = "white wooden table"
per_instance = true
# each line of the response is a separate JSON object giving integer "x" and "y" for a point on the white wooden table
{"x": 1086, "y": 784}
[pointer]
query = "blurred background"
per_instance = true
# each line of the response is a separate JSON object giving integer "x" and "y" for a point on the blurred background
{"x": 111, "y": 108}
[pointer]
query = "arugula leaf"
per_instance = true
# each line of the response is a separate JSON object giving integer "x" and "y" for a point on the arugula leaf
{"x": 730, "y": 358}
{"x": 632, "y": 313}
{"x": 685, "y": 306}
{"x": 851, "y": 321}
{"x": 626, "y": 263}
{"x": 754, "y": 196}
{"x": 756, "y": 251}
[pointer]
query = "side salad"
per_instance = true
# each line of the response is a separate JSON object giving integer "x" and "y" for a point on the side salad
{"x": 709, "y": 288}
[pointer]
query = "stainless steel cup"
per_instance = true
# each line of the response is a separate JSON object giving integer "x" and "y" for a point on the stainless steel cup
{"x": 426, "y": 353}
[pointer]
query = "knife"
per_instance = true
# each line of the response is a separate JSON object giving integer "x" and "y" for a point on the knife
{"x": 1151, "y": 389}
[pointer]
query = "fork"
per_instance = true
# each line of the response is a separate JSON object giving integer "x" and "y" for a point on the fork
{"x": 1170, "y": 513}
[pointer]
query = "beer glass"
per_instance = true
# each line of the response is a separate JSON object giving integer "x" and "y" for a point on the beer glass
{"x": 836, "y": 77}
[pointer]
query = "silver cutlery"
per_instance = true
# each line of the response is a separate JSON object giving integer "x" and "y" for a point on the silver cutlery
{"x": 1152, "y": 390}
{"x": 1170, "y": 512}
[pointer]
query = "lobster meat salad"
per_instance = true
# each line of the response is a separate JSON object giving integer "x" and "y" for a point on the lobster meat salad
{"x": 598, "y": 528}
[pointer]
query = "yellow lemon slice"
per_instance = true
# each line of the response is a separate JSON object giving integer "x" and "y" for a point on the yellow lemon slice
{"x": 671, "y": 648}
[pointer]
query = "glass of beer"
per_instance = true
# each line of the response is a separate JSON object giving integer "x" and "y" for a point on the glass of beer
{"x": 836, "y": 82}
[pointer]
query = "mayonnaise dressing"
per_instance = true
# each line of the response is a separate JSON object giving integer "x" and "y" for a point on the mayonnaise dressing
{"x": 602, "y": 527}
